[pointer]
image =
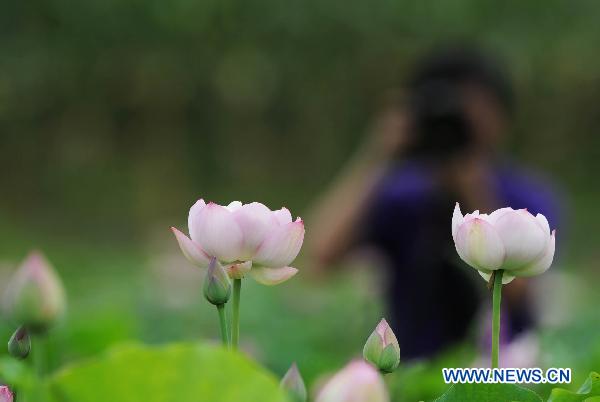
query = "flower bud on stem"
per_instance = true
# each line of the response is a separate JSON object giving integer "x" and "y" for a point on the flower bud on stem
{"x": 382, "y": 349}
{"x": 217, "y": 290}
{"x": 358, "y": 381}
{"x": 293, "y": 383}
{"x": 217, "y": 285}
{"x": 19, "y": 344}
{"x": 6, "y": 394}
{"x": 35, "y": 295}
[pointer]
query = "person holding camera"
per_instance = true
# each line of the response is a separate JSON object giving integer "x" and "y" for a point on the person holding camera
{"x": 433, "y": 145}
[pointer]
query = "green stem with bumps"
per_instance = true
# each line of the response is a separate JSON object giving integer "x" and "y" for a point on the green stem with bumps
{"x": 235, "y": 327}
{"x": 223, "y": 325}
{"x": 497, "y": 297}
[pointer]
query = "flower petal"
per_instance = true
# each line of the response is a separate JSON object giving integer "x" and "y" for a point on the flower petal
{"x": 234, "y": 206}
{"x": 191, "y": 250}
{"x": 193, "y": 215}
{"x": 281, "y": 246}
{"x": 283, "y": 216}
{"x": 493, "y": 217}
{"x": 218, "y": 233}
{"x": 506, "y": 277}
{"x": 5, "y": 394}
{"x": 474, "y": 214}
{"x": 387, "y": 334}
{"x": 542, "y": 263}
{"x": 359, "y": 381}
{"x": 239, "y": 270}
{"x": 543, "y": 222}
{"x": 524, "y": 240}
{"x": 255, "y": 220}
{"x": 457, "y": 219}
{"x": 478, "y": 244}
{"x": 272, "y": 276}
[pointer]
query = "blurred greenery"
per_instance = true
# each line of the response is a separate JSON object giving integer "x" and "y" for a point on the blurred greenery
{"x": 116, "y": 297}
{"x": 116, "y": 115}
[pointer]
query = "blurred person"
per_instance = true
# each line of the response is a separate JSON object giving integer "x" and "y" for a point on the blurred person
{"x": 434, "y": 145}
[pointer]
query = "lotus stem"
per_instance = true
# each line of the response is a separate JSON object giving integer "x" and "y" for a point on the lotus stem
{"x": 223, "y": 325}
{"x": 39, "y": 355}
{"x": 497, "y": 296}
{"x": 235, "y": 327}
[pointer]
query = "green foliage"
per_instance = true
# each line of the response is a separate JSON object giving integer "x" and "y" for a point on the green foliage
{"x": 575, "y": 345}
{"x": 120, "y": 124}
{"x": 21, "y": 378}
{"x": 176, "y": 372}
{"x": 422, "y": 379}
{"x": 591, "y": 388}
{"x": 14, "y": 372}
{"x": 488, "y": 393}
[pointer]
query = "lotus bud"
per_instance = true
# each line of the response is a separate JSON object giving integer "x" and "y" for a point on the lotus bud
{"x": 382, "y": 348}
{"x": 514, "y": 241}
{"x": 294, "y": 384}
{"x": 217, "y": 285}
{"x": 5, "y": 394}
{"x": 35, "y": 297}
{"x": 357, "y": 382}
{"x": 19, "y": 344}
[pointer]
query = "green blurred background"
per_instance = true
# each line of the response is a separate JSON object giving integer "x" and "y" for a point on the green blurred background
{"x": 115, "y": 115}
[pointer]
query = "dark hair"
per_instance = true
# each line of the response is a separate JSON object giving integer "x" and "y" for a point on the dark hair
{"x": 461, "y": 65}
{"x": 436, "y": 98}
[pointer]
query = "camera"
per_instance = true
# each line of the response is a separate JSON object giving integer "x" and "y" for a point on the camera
{"x": 440, "y": 122}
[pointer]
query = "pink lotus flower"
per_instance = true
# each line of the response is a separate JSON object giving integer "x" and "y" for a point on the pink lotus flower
{"x": 357, "y": 382}
{"x": 5, "y": 394}
{"x": 513, "y": 240}
{"x": 245, "y": 238}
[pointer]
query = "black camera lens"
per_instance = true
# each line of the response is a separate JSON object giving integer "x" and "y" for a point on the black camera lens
{"x": 440, "y": 120}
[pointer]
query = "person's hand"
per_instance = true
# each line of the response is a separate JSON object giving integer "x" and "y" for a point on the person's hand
{"x": 389, "y": 135}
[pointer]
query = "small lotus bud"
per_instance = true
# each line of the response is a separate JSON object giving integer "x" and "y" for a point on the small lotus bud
{"x": 382, "y": 348}
{"x": 19, "y": 344}
{"x": 35, "y": 297}
{"x": 357, "y": 382}
{"x": 217, "y": 286}
{"x": 294, "y": 384}
{"x": 5, "y": 394}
